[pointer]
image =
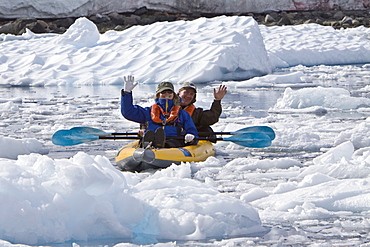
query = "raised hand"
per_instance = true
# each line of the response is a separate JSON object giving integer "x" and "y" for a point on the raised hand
{"x": 129, "y": 84}
{"x": 220, "y": 93}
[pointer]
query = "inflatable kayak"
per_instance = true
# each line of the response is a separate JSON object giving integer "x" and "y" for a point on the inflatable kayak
{"x": 135, "y": 159}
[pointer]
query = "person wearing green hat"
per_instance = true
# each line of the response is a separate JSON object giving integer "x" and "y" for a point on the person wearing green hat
{"x": 202, "y": 118}
{"x": 164, "y": 119}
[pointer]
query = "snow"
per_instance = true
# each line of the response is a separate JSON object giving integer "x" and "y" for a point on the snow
{"x": 296, "y": 45}
{"x": 209, "y": 49}
{"x": 84, "y": 197}
{"x": 23, "y": 146}
{"x": 240, "y": 197}
{"x": 329, "y": 98}
{"x": 221, "y": 48}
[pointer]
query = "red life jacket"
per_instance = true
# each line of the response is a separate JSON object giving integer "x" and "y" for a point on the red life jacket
{"x": 190, "y": 109}
{"x": 170, "y": 117}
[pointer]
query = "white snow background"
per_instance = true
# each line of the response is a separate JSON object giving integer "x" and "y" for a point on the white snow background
{"x": 318, "y": 192}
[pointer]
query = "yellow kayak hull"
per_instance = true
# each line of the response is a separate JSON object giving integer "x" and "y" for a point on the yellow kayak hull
{"x": 132, "y": 158}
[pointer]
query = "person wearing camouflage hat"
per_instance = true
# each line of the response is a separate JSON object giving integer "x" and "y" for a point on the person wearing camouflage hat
{"x": 202, "y": 118}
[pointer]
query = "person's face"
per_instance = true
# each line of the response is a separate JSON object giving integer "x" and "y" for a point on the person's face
{"x": 166, "y": 94}
{"x": 187, "y": 96}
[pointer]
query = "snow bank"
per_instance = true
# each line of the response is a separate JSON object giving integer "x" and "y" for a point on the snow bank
{"x": 294, "y": 45}
{"x": 356, "y": 134}
{"x": 274, "y": 80}
{"x": 84, "y": 33}
{"x": 330, "y": 183}
{"x": 335, "y": 98}
{"x": 203, "y": 50}
{"x": 85, "y": 198}
{"x": 11, "y": 148}
{"x": 217, "y": 49}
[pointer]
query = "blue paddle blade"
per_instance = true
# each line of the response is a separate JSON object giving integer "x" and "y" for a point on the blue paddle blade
{"x": 250, "y": 139}
{"x": 260, "y": 129}
{"x": 76, "y": 135}
{"x": 87, "y": 130}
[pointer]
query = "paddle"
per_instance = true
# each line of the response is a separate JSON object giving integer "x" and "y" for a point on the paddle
{"x": 250, "y": 139}
{"x": 93, "y": 131}
{"x": 255, "y": 136}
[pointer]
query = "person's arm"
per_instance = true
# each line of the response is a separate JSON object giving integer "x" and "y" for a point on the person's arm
{"x": 132, "y": 112}
{"x": 209, "y": 117}
{"x": 128, "y": 109}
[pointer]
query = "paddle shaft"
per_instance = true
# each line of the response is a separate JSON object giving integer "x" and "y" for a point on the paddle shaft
{"x": 199, "y": 133}
{"x": 137, "y": 137}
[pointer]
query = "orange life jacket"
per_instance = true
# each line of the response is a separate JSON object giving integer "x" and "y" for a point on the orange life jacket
{"x": 190, "y": 109}
{"x": 170, "y": 117}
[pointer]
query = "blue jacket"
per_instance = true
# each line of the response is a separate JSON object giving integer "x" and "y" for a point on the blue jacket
{"x": 140, "y": 114}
